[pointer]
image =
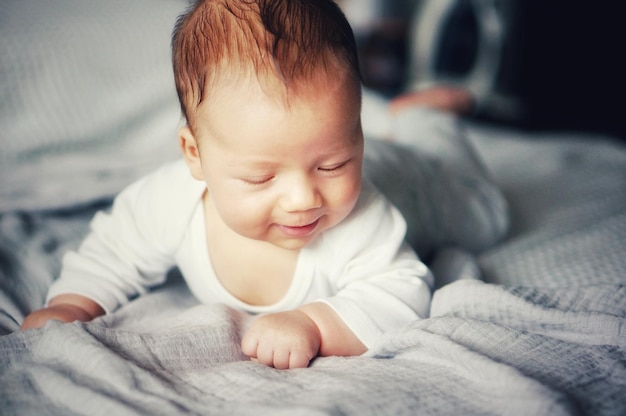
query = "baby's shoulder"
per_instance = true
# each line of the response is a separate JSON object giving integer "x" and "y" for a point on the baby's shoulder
{"x": 164, "y": 199}
{"x": 166, "y": 185}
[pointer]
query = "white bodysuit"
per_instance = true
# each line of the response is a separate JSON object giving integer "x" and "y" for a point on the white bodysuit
{"x": 362, "y": 267}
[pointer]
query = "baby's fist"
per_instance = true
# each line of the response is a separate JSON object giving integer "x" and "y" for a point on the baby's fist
{"x": 282, "y": 340}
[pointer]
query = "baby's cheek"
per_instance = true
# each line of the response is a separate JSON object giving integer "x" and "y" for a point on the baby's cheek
{"x": 347, "y": 195}
{"x": 248, "y": 218}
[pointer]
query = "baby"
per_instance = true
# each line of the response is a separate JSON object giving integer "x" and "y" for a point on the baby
{"x": 268, "y": 212}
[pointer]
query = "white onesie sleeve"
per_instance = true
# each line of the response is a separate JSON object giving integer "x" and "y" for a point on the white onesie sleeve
{"x": 131, "y": 248}
{"x": 380, "y": 282}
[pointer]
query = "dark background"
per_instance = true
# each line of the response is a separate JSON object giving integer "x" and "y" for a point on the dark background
{"x": 563, "y": 62}
{"x": 567, "y": 64}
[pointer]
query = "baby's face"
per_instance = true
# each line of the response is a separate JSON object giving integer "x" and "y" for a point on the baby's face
{"x": 277, "y": 173}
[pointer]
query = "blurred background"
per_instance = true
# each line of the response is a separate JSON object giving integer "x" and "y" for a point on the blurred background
{"x": 531, "y": 64}
{"x": 80, "y": 79}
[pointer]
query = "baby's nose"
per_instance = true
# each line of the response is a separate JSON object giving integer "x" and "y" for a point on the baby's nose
{"x": 301, "y": 195}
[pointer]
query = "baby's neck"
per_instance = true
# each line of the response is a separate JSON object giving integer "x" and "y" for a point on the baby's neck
{"x": 255, "y": 272}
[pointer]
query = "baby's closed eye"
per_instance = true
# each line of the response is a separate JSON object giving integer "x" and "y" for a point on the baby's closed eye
{"x": 257, "y": 181}
{"x": 334, "y": 167}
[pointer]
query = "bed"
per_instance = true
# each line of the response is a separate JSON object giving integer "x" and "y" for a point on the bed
{"x": 528, "y": 317}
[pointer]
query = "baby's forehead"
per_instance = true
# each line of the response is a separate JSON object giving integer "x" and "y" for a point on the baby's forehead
{"x": 248, "y": 107}
{"x": 248, "y": 85}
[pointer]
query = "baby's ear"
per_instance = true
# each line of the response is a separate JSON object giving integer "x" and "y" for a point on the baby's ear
{"x": 191, "y": 153}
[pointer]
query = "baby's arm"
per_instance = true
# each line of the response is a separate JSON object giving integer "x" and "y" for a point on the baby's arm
{"x": 64, "y": 308}
{"x": 128, "y": 250}
{"x": 336, "y": 338}
{"x": 380, "y": 285}
{"x": 292, "y": 339}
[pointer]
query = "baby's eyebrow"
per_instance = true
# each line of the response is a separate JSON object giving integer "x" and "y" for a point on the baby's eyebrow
{"x": 344, "y": 148}
{"x": 255, "y": 167}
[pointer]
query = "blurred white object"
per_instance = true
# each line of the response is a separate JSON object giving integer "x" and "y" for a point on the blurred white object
{"x": 479, "y": 28}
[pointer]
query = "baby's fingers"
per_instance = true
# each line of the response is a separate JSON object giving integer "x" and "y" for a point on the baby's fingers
{"x": 249, "y": 345}
{"x": 256, "y": 348}
{"x": 282, "y": 340}
{"x": 280, "y": 359}
{"x": 298, "y": 360}
{"x": 274, "y": 356}
{"x": 265, "y": 354}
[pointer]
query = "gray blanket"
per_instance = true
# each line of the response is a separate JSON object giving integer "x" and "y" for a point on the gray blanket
{"x": 484, "y": 350}
{"x": 552, "y": 342}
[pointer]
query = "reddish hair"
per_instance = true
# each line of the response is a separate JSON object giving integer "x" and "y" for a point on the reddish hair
{"x": 285, "y": 40}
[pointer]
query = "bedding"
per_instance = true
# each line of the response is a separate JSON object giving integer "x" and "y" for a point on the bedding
{"x": 473, "y": 356}
{"x": 86, "y": 85}
{"x": 567, "y": 203}
{"x": 540, "y": 340}
{"x": 525, "y": 233}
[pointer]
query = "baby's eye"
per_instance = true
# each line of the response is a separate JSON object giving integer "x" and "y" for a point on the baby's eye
{"x": 257, "y": 181}
{"x": 334, "y": 168}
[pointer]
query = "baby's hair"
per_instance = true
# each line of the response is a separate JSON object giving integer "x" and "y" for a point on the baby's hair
{"x": 285, "y": 40}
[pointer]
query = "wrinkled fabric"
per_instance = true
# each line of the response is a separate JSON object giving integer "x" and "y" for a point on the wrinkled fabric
{"x": 164, "y": 354}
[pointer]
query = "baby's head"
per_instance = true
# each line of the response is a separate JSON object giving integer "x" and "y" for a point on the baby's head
{"x": 271, "y": 93}
{"x": 282, "y": 44}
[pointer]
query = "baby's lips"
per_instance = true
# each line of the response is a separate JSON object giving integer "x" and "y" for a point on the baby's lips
{"x": 300, "y": 231}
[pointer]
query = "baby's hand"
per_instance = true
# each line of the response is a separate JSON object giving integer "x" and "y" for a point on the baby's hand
{"x": 64, "y": 308}
{"x": 63, "y": 313}
{"x": 282, "y": 340}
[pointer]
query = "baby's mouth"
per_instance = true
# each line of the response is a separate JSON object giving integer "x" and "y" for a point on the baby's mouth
{"x": 300, "y": 231}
